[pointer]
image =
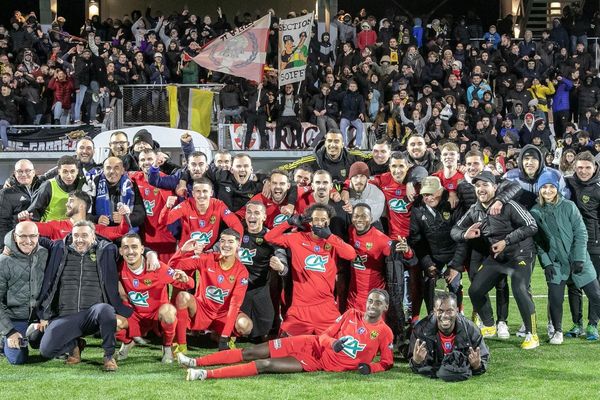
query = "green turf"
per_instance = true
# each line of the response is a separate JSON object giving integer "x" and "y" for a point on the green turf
{"x": 569, "y": 371}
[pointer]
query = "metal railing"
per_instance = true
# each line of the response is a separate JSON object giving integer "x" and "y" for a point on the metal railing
{"x": 149, "y": 105}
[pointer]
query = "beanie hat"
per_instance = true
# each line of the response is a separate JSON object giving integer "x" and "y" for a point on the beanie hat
{"x": 143, "y": 136}
{"x": 546, "y": 178}
{"x": 359, "y": 168}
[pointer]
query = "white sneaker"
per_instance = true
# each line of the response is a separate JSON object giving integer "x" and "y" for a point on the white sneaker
{"x": 195, "y": 374}
{"x": 521, "y": 332}
{"x": 186, "y": 361}
{"x": 167, "y": 357}
{"x": 550, "y": 329}
{"x": 123, "y": 353}
{"x": 503, "y": 332}
{"x": 556, "y": 338}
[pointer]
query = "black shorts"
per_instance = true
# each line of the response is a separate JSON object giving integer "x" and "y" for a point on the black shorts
{"x": 259, "y": 307}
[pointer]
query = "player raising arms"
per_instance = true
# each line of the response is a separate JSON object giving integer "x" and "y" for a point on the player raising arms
{"x": 351, "y": 343}
{"x": 219, "y": 293}
{"x": 146, "y": 292}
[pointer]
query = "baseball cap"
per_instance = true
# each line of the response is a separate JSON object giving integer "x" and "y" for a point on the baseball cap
{"x": 485, "y": 176}
{"x": 431, "y": 185}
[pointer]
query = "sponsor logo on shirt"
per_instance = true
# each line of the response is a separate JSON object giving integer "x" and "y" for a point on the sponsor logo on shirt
{"x": 149, "y": 206}
{"x": 216, "y": 294}
{"x": 315, "y": 262}
{"x": 352, "y": 346}
{"x": 246, "y": 256}
{"x": 138, "y": 299}
{"x": 359, "y": 262}
{"x": 398, "y": 205}
{"x": 202, "y": 237}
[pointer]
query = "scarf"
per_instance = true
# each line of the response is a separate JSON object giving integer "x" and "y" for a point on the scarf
{"x": 103, "y": 202}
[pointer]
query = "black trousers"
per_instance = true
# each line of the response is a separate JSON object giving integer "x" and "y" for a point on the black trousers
{"x": 60, "y": 337}
{"x": 575, "y": 296}
{"x": 556, "y": 295}
{"x": 296, "y": 127}
{"x": 260, "y": 121}
{"x": 502, "y": 291}
{"x": 490, "y": 272}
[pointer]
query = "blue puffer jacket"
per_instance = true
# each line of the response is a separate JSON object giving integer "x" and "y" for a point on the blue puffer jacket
{"x": 560, "y": 101}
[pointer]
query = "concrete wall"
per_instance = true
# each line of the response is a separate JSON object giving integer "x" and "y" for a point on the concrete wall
{"x": 118, "y": 8}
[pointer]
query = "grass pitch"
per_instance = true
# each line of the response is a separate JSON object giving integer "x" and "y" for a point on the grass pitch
{"x": 570, "y": 371}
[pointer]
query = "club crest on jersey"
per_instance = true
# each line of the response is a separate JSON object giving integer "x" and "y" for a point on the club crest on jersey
{"x": 259, "y": 241}
{"x": 136, "y": 283}
{"x": 327, "y": 246}
{"x": 374, "y": 334}
{"x": 280, "y": 219}
{"x": 357, "y": 244}
{"x": 315, "y": 262}
{"x": 213, "y": 219}
{"x": 359, "y": 262}
{"x": 231, "y": 278}
{"x": 138, "y": 299}
{"x": 369, "y": 245}
{"x": 216, "y": 294}
{"x": 352, "y": 346}
{"x": 246, "y": 256}
{"x": 398, "y": 205}
{"x": 202, "y": 223}
{"x": 202, "y": 237}
{"x": 156, "y": 191}
{"x": 149, "y": 206}
{"x": 220, "y": 278}
{"x": 585, "y": 198}
{"x": 147, "y": 282}
{"x": 361, "y": 330}
{"x": 446, "y": 215}
{"x": 93, "y": 257}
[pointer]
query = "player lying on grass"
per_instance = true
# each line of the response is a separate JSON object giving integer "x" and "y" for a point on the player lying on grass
{"x": 351, "y": 343}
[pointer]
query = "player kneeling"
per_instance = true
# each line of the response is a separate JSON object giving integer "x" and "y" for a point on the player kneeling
{"x": 219, "y": 294}
{"x": 146, "y": 292}
{"x": 351, "y": 343}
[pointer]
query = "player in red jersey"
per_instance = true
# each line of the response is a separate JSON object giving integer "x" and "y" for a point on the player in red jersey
{"x": 156, "y": 235}
{"x": 280, "y": 203}
{"x": 146, "y": 292}
{"x": 372, "y": 247}
{"x": 450, "y": 176}
{"x": 219, "y": 294}
{"x": 314, "y": 268}
{"x": 349, "y": 344}
{"x": 200, "y": 215}
{"x": 77, "y": 206}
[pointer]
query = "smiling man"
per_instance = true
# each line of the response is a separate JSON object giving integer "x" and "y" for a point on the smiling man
{"x": 349, "y": 344}
{"x": 446, "y": 345}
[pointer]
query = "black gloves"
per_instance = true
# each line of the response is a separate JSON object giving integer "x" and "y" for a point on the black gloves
{"x": 224, "y": 343}
{"x": 298, "y": 221}
{"x": 338, "y": 345}
{"x": 323, "y": 232}
{"x": 549, "y": 272}
{"x": 364, "y": 369}
{"x": 577, "y": 267}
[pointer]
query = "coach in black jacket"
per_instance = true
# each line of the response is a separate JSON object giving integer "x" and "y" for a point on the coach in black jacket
{"x": 80, "y": 295}
{"x": 502, "y": 244}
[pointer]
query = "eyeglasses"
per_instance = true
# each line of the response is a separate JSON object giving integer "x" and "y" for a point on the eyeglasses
{"x": 31, "y": 237}
{"x": 23, "y": 171}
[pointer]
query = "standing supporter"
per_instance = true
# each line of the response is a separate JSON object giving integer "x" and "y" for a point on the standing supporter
{"x": 502, "y": 244}
{"x": 289, "y": 105}
{"x": 353, "y": 110}
{"x": 62, "y": 88}
{"x": 314, "y": 258}
{"x": 17, "y": 197}
{"x": 561, "y": 245}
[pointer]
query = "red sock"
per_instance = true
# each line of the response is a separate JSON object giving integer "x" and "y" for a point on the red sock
{"x": 168, "y": 332}
{"x": 183, "y": 321}
{"x": 221, "y": 357}
{"x": 234, "y": 371}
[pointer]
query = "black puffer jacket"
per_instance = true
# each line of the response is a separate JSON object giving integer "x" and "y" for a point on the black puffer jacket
{"x": 586, "y": 196}
{"x": 589, "y": 97}
{"x": 13, "y": 200}
{"x": 467, "y": 197}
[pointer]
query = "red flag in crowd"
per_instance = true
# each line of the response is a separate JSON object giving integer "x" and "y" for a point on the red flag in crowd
{"x": 241, "y": 52}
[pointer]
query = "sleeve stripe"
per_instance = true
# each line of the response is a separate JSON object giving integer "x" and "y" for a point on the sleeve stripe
{"x": 525, "y": 215}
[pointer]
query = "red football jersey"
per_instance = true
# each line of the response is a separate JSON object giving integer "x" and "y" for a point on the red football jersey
{"x": 314, "y": 263}
{"x": 155, "y": 234}
{"x": 365, "y": 341}
{"x": 204, "y": 227}
{"x": 148, "y": 291}
{"x": 398, "y": 205}
{"x": 305, "y": 199}
{"x": 368, "y": 267}
{"x": 58, "y": 230}
{"x": 274, "y": 215}
{"x": 450, "y": 184}
{"x": 221, "y": 292}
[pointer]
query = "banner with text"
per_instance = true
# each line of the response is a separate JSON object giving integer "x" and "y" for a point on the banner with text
{"x": 294, "y": 38}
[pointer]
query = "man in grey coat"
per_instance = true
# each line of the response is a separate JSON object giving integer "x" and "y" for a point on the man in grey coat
{"x": 21, "y": 276}
{"x": 361, "y": 191}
